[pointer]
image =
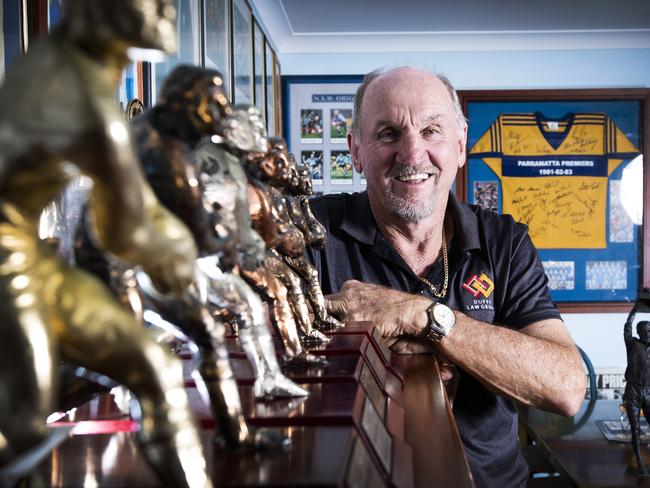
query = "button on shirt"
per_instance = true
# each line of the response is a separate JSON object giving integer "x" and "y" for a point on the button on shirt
{"x": 495, "y": 276}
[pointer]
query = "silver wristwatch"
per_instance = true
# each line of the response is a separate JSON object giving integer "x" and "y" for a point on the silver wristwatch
{"x": 441, "y": 322}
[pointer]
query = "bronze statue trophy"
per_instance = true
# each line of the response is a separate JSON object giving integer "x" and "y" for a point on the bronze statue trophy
{"x": 59, "y": 119}
{"x": 226, "y": 197}
{"x": 220, "y": 163}
{"x": 297, "y": 197}
{"x": 271, "y": 174}
{"x": 193, "y": 105}
{"x": 637, "y": 376}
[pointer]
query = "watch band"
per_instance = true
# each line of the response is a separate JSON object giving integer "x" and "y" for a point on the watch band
{"x": 441, "y": 322}
{"x": 429, "y": 332}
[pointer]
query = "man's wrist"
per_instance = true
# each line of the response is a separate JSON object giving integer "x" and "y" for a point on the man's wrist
{"x": 441, "y": 321}
{"x": 420, "y": 320}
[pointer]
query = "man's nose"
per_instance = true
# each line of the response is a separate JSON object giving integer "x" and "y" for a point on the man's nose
{"x": 411, "y": 149}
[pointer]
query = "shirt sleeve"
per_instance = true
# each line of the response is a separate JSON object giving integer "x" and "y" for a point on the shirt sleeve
{"x": 617, "y": 143}
{"x": 527, "y": 298}
{"x": 489, "y": 144}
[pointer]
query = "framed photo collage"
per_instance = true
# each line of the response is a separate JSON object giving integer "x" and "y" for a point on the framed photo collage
{"x": 319, "y": 116}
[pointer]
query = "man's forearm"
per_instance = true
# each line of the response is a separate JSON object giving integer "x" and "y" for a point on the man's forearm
{"x": 538, "y": 365}
{"x": 535, "y": 370}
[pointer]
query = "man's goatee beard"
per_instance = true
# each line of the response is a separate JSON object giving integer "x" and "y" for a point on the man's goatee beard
{"x": 411, "y": 212}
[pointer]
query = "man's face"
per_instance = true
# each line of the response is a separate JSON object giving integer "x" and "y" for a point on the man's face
{"x": 410, "y": 146}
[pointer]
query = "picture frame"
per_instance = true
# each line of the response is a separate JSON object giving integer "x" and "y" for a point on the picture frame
{"x": 259, "y": 75}
{"x": 270, "y": 89}
{"x": 217, "y": 39}
{"x": 189, "y": 44}
{"x": 131, "y": 89}
{"x": 581, "y": 142}
{"x": 317, "y": 116}
{"x": 54, "y": 13}
{"x": 242, "y": 53}
{"x": 277, "y": 77}
{"x": 12, "y": 33}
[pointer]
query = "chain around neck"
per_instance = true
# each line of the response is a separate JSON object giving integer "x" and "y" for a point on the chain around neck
{"x": 445, "y": 264}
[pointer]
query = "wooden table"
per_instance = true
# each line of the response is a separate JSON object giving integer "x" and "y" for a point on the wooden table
{"x": 576, "y": 447}
{"x": 330, "y": 440}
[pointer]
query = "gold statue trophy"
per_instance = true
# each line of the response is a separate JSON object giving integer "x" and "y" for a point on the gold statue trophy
{"x": 59, "y": 119}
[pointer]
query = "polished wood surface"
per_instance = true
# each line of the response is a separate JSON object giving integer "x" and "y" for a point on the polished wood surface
{"x": 576, "y": 447}
{"x": 318, "y": 455}
{"x": 382, "y": 351}
{"x": 348, "y": 432}
{"x": 430, "y": 428}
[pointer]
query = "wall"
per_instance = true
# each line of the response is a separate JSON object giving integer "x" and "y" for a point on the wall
{"x": 604, "y": 68}
{"x": 599, "y": 335}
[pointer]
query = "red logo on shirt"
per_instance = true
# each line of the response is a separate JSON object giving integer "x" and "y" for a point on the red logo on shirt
{"x": 479, "y": 285}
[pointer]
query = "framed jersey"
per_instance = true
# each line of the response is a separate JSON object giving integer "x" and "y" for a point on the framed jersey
{"x": 569, "y": 164}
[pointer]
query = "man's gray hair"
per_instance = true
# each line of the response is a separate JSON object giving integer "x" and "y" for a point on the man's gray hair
{"x": 461, "y": 121}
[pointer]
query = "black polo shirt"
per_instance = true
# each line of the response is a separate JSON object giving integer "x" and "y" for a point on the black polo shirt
{"x": 495, "y": 276}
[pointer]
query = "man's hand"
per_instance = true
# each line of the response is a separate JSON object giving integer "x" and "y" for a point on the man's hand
{"x": 393, "y": 312}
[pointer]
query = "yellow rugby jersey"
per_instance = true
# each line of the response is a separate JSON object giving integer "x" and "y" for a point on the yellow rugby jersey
{"x": 554, "y": 173}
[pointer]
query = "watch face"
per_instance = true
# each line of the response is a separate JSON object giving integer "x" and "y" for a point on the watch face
{"x": 444, "y": 316}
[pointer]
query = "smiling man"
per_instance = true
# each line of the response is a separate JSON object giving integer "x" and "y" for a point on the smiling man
{"x": 409, "y": 257}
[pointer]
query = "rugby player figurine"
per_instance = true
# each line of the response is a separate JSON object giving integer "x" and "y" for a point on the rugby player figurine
{"x": 637, "y": 377}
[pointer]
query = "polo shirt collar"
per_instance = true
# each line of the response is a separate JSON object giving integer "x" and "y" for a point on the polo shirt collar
{"x": 359, "y": 223}
{"x": 358, "y": 220}
{"x": 466, "y": 234}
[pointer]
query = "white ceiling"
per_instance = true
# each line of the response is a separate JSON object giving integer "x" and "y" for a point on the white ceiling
{"x": 418, "y": 25}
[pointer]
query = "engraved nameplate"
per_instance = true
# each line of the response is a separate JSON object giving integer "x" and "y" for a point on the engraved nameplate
{"x": 385, "y": 352}
{"x": 375, "y": 363}
{"x": 378, "y": 436}
{"x": 372, "y": 390}
{"x": 361, "y": 470}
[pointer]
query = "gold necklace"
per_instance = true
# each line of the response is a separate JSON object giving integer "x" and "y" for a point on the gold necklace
{"x": 445, "y": 264}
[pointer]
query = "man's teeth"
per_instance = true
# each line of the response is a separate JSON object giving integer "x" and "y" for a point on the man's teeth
{"x": 419, "y": 176}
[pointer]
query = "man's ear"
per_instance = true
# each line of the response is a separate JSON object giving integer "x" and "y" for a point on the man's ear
{"x": 462, "y": 146}
{"x": 354, "y": 152}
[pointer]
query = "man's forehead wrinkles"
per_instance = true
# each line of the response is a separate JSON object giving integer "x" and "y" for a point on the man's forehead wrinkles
{"x": 401, "y": 121}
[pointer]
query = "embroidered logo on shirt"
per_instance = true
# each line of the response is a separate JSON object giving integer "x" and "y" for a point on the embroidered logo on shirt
{"x": 479, "y": 285}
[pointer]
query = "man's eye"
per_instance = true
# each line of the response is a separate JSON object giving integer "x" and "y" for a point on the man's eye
{"x": 431, "y": 131}
{"x": 388, "y": 134}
